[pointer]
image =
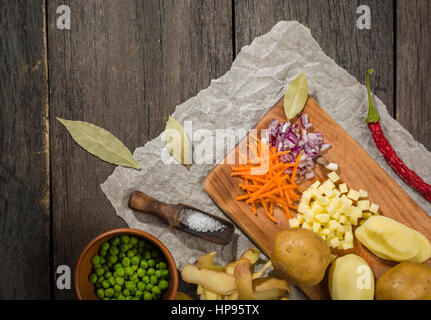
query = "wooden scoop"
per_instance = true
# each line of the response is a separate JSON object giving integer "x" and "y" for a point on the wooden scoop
{"x": 142, "y": 202}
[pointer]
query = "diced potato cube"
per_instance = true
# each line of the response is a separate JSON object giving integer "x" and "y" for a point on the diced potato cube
{"x": 307, "y": 195}
{"x": 366, "y": 214}
{"x": 325, "y": 232}
{"x": 348, "y": 237}
{"x": 336, "y": 215}
{"x": 300, "y": 218}
{"x": 342, "y": 219}
{"x": 326, "y": 186}
{"x": 346, "y": 246}
{"x": 354, "y": 220}
{"x": 348, "y": 227}
{"x": 308, "y": 215}
{"x": 333, "y": 224}
{"x": 323, "y": 201}
{"x": 315, "y": 185}
{"x": 331, "y": 209}
{"x": 340, "y": 229}
{"x": 374, "y": 208}
{"x": 353, "y": 194}
{"x": 343, "y": 188}
{"x": 363, "y": 204}
{"x": 316, "y": 226}
{"x": 317, "y": 209}
{"x": 337, "y": 193}
{"x": 346, "y": 208}
{"x": 331, "y": 194}
{"x": 294, "y": 223}
{"x": 322, "y": 218}
{"x": 363, "y": 193}
{"x": 306, "y": 225}
{"x": 333, "y": 176}
{"x": 346, "y": 200}
{"x": 356, "y": 212}
{"x": 302, "y": 207}
{"x": 334, "y": 242}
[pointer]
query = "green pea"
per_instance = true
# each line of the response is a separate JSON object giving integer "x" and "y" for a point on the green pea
{"x": 153, "y": 280}
{"x": 158, "y": 273}
{"x": 119, "y": 281}
{"x": 133, "y": 240}
{"x": 141, "y": 243}
{"x": 131, "y": 253}
{"x": 149, "y": 286}
{"x": 162, "y": 265}
{"x": 141, "y": 285}
{"x": 113, "y": 259}
{"x": 143, "y": 264}
{"x": 119, "y": 272}
{"x": 102, "y": 260}
{"x": 130, "y": 285}
{"x": 109, "y": 265}
{"x": 134, "y": 268}
{"x": 148, "y": 296}
{"x": 141, "y": 272}
{"x": 103, "y": 253}
{"x": 163, "y": 284}
{"x": 126, "y": 293}
{"x": 125, "y": 261}
{"x": 109, "y": 292}
{"x": 128, "y": 271}
{"x": 121, "y": 297}
{"x": 156, "y": 290}
{"x": 93, "y": 278}
{"x": 100, "y": 279}
{"x": 95, "y": 259}
{"x": 121, "y": 255}
{"x": 138, "y": 293}
{"x": 135, "y": 260}
{"x": 105, "y": 246}
{"x": 147, "y": 255}
{"x": 100, "y": 293}
{"x": 151, "y": 262}
{"x": 151, "y": 271}
{"x": 111, "y": 281}
{"x": 97, "y": 266}
{"x": 116, "y": 241}
{"x": 164, "y": 273}
{"x": 117, "y": 266}
{"x": 113, "y": 251}
{"x": 108, "y": 274}
{"x": 146, "y": 279}
{"x": 117, "y": 288}
{"x": 105, "y": 284}
{"x": 125, "y": 238}
{"x": 100, "y": 271}
{"x": 124, "y": 247}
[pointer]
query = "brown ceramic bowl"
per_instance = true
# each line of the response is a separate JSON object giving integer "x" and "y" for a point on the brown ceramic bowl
{"x": 85, "y": 290}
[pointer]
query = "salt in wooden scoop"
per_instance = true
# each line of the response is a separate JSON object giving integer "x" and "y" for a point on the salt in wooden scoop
{"x": 185, "y": 218}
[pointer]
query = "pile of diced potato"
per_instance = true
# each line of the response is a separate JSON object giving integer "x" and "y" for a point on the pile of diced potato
{"x": 330, "y": 210}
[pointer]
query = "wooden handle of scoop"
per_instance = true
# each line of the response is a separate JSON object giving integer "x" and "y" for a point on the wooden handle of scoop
{"x": 142, "y": 202}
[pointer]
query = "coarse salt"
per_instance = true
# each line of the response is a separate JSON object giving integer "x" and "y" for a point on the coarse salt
{"x": 200, "y": 222}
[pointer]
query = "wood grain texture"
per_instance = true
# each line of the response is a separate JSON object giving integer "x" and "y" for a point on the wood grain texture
{"x": 24, "y": 153}
{"x": 124, "y": 66}
{"x": 413, "y": 45}
{"x": 333, "y": 25}
{"x": 353, "y": 161}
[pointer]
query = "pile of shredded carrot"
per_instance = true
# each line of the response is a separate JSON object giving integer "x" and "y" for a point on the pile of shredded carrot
{"x": 275, "y": 187}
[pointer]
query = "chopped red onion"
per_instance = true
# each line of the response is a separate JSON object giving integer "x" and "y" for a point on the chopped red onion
{"x": 285, "y": 136}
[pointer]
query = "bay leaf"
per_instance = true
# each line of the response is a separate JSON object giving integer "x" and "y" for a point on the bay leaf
{"x": 295, "y": 97}
{"x": 100, "y": 143}
{"x": 177, "y": 142}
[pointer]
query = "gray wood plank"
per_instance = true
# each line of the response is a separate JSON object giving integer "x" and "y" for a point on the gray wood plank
{"x": 124, "y": 65}
{"x": 333, "y": 25}
{"x": 24, "y": 153}
{"x": 413, "y": 65}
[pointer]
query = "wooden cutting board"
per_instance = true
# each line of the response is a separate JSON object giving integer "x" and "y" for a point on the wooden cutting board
{"x": 356, "y": 168}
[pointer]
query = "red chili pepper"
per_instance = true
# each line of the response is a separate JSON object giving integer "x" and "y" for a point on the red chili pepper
{"x": 409, "y": 176}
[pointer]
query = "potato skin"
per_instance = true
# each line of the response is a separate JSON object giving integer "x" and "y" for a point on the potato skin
{"x": 405, "y": 281}
{"x": 300, "y": 256}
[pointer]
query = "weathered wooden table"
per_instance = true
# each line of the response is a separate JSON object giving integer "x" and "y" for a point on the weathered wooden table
{"x": 125, "y": 65}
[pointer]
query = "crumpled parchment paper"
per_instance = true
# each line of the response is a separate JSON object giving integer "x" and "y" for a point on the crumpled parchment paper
{"x": 257, "y": 80}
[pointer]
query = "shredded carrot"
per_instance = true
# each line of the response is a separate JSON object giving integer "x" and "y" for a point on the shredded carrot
{"x": 270, "y": 186}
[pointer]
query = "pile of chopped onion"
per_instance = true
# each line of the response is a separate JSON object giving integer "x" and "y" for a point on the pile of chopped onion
{"x": 296, "y": 138}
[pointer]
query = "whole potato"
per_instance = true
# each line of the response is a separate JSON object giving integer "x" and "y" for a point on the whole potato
{"x": 405, "y": 281}
{"x": 300, "y": 256}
